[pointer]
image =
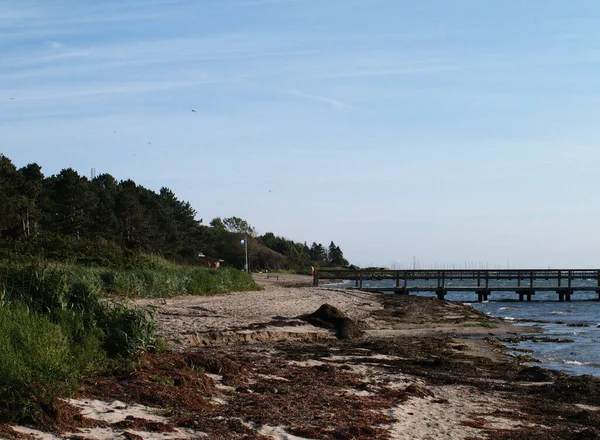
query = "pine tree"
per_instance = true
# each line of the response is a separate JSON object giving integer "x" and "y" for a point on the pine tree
{"x": 10, "y": 182}
{"x": 336, "y": 256}
{"x": 30, "y": 190}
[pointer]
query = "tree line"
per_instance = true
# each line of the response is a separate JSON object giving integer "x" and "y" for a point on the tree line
{"x": 115, "y": 222}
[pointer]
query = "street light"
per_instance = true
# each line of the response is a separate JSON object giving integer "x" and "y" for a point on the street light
{"x": 244, "y": 243}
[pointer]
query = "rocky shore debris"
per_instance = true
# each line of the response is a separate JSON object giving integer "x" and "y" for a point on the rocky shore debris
{"x": 418, "y": 391}
{"x": 535, "y": 374}
{"x": 329, "y": 317}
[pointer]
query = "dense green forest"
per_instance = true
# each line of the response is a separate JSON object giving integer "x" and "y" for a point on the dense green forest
{"x": 110, "y": 222}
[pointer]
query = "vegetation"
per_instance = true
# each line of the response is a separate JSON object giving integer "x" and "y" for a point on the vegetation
{"x": 71, "y": 249}
{"x": 37, "y": 362}
{"x": 55, "y": 327}
{"x": 106, "y": 222}
{"x": 57, "y": 322}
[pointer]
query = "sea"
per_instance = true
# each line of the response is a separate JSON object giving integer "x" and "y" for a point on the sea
{"x": 576, "y": 321}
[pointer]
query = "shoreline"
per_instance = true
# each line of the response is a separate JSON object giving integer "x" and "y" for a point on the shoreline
{"x": 244, "y": 365}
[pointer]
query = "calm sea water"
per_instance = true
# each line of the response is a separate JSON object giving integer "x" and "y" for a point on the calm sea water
{"x": 582, "y": 356}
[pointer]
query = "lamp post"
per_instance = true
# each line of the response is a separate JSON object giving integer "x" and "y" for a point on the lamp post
{"x": 244, "y": 243}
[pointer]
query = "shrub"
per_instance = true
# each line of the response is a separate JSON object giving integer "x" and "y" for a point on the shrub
{"x": 126, "y": 331}
{"x": 71, "y": 296}
{"x": 55, "y": 325}
{"x": 37, "y": 362}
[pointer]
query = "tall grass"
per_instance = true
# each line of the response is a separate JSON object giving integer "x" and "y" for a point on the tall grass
{"x": 161, "y": 281}
{"x": 59, "y": 321}
{"x": 37, "y": 363}
{"x": 53, "y": 329}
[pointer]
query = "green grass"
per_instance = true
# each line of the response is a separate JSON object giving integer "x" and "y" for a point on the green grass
{"x": 38, "y": 362}
{"x": 60, "y": 321}
{"x": 162, "y": 279}
{"x": 168, "y": 282}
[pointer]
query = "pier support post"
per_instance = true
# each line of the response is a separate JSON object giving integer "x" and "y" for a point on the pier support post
{"x": 568, "y": 295}
{"x": 531, "y": 279}
{"x": 526, "y": 293}
{"x": 482, "y": 295}
{"x": 564, "y": 294}
{"x": 441, "y": 293}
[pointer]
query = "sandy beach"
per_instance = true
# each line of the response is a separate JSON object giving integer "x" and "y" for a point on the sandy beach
{"x": 249, "y": 366}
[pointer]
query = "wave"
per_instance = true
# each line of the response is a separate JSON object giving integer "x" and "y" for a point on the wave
{"x": 581, "y": 363}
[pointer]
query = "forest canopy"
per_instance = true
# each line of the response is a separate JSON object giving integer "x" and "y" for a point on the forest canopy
{"x": 105, "y": 221}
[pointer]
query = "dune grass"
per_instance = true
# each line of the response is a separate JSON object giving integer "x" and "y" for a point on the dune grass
{"x": 60, "y": 321}
{"x": 155, "y": 278}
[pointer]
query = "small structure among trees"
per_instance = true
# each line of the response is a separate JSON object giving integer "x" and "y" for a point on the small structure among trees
{"x": 213, "y": 263}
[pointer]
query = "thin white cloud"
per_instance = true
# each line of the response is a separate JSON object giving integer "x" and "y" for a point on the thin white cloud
{"x": 329, "y": 101}
{"x": 60, "y": 93}
{"x": 55, "y": 44}
{"x": 18, "y": 13}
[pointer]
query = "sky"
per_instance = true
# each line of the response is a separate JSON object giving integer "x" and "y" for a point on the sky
{"x": 439, "y": 133}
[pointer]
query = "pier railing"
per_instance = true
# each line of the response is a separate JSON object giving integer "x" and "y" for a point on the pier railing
{"x": 526, "y": 281}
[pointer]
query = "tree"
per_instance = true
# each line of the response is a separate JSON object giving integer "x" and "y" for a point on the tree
{"x": 32, "y": 184}
{"x": 239, "y": 226}
{"x": 317, "y": 253}
{"x": 217, "y": 223}
{"x": 67, "y": 216}
{"x": 70, "y": 203}
{"x": 10, "y": 182}
{"x": 131, "y": 215}
{"x": 336, "y": 256}
{"x": 105, "y": 222}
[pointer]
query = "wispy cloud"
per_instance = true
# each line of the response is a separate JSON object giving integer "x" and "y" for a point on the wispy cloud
{"x": 326, "y": 100}
{"x": 55, "y": 44}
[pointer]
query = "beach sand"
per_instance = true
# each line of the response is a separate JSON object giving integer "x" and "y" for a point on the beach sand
{"x": 245, "y": 365}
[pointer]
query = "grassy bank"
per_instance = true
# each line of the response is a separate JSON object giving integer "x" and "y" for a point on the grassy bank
{"x": 60, "y": 321}
{"x": 155, "y": 278}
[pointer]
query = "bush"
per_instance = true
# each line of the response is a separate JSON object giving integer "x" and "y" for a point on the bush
{"x": 54, "y": 328}
{"x": 56, "y": 324}
{"x": 126, "y": 331}
{"x": 37, "y": 362}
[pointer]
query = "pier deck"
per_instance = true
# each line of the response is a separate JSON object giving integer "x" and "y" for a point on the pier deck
{"x": 526, "y": 281}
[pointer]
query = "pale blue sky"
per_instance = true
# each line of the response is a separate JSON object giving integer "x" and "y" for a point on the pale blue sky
{"x": 448, "y": 131}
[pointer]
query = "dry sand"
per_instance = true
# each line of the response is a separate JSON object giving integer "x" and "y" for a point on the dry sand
{"x": 272, "y": 314}
{"x": 430, "y": 411}
{"x": 249, "y": 317}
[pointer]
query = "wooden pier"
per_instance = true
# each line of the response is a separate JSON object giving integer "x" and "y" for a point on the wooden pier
{"x": 524, "y": 282}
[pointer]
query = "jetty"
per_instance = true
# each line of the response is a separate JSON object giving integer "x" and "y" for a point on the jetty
{"x": 524, "y": 282}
